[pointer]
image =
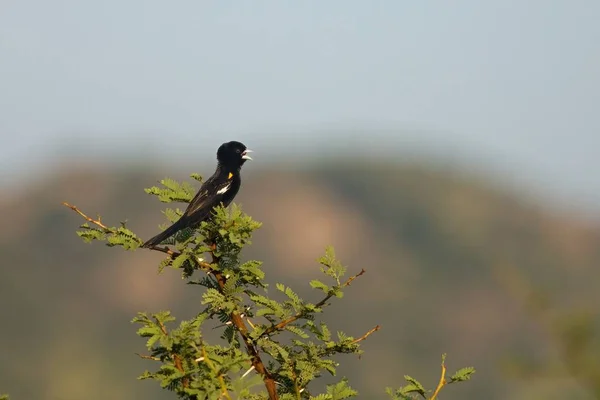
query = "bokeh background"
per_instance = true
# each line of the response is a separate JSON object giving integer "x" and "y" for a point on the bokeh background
{"x": 449, "y": 148}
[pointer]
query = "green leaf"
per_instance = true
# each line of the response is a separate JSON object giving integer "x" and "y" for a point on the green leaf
{"x": 331, "y": 266}
{"x": 213, "y": 297}
{"x": 172, "y": 214}
{"x": 196, "y": 176}
{"x": 414, "y": 386}
{"x": 463, "y": 374}
{"x": 341, "y": 390}
{"x": 180, "y": 261}
{"x": 148, "y": 331}
{"x": 321, "y": 397}
{"x": 172, "y": 191}
{"x": 410, "y": 388}
{"x": 164, "y": 263}
{"x": 316, "y": 284}
{"x": 297, "y": 331}
{"x": 272, "y": 305}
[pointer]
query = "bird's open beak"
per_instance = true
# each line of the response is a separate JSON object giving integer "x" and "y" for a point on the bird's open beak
{"x": 245, "y": 155}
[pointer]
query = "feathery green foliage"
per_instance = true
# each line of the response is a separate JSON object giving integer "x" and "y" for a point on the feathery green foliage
{"x": 282, "y": 346}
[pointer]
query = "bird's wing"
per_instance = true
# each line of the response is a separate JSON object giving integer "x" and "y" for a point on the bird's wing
{"x": 210, "y": 194}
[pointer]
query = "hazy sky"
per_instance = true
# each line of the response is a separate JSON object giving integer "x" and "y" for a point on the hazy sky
{"x": 513, "y": 84}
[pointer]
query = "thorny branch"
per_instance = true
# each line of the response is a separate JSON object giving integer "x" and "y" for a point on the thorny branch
{"x": 93, "y": 221}
{"x": 363, "y": 337}
{"x": 146, "y": 357}
{"x": 106, "y": 229}
{"x": 236, "y": 319}
{"x": 281, "y": 325}
{"x": 241, "y": 327}
{"x": 442, "y": 382}
{"x": 173, "y": 254}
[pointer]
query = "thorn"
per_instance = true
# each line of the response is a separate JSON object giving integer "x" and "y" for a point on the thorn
{"x": 247, "y": 372}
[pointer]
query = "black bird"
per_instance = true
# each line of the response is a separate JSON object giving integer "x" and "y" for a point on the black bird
{"x": 221, "y": 187}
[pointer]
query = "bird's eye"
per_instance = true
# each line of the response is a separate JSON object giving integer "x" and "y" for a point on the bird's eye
{"x": 238, "y": 151}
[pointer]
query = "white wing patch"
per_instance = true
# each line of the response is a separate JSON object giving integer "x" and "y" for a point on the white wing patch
{"x": 224, "y": 189}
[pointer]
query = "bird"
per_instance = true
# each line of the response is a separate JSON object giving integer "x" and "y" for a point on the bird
{"x": 220, "y": 188}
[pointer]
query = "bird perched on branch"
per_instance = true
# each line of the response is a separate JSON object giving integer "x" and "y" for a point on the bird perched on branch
{"x": 221, "y": 187}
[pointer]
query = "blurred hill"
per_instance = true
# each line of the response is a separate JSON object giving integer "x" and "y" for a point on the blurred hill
{"x": 453, "y": 265}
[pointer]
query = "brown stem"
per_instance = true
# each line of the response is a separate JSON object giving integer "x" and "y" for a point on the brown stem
{"x": 281, "y": 325}
{"x": 363, "y": 337}
{"x": 166, "y": 250}
{"x": 93, "y": 221}
{"x": 442, "y": 382}
{"x": 146, "y": 357}
{"x": 162, "y": 326}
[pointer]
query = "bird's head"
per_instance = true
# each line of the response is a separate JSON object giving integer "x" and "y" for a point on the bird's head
{"x": 233, "y": 155}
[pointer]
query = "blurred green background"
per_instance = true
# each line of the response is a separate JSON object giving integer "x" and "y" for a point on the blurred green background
{"x": 448, "y": 149}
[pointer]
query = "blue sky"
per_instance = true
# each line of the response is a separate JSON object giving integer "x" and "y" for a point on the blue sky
{"x": 510, "y": 86}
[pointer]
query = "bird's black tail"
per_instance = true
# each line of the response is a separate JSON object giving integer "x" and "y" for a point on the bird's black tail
{"x": 161, "y": 237}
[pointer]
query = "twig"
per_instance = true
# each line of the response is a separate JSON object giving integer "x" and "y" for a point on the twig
{"x": 147, "y": 357}
{"x": 162, "y": 326}
{"x": 179, "y": 366}
{"x": 106, "y": 229}
{"x": 166, "y": 250}
{"x": 353, "y": 277}
{"x": 363, "y": 337}
{"x": 281, "y": 325}
{"x": 442, "y": 382}
{"x": 93, "y": 221}
{"x": 173, "y": 254}
{"x": 214, "y": 369}
{"x": 341, "y": 347}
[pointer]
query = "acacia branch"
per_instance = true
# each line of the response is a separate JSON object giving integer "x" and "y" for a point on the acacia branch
{"x": 281, "y": 325}
{"x": 163, "y": 249}
{"x": 162, "y": 326}
{"x": 89, "y": 219}
{"x": 345, "y": 348}
{"x": 166, "y": 250}
{"x": 442, "y": 381}
{"x": 236, "y": 319}
{"x": 146, "y": 357}
{"x": 363, "y": 337}
{"x": 106, "y": 229}
{"x": 241, "y": 327}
